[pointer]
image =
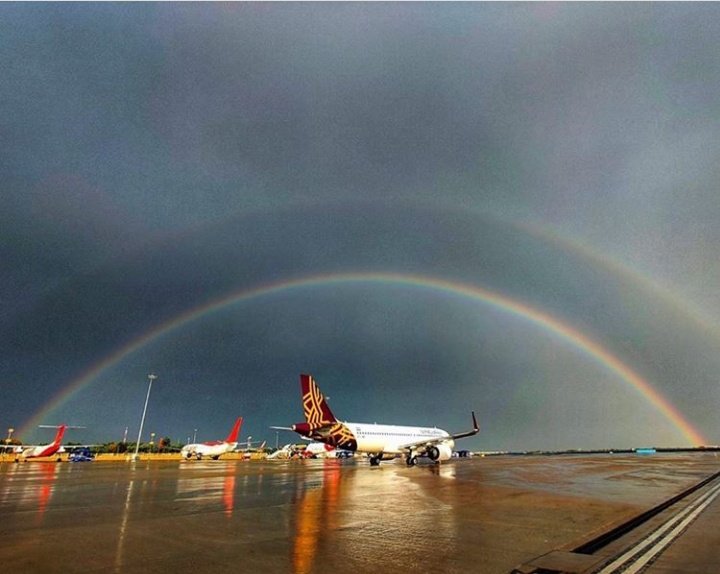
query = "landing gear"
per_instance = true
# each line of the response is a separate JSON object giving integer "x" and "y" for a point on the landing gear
{"x": 374, "y": 460}
{"x": 411, "y": 460}
{"x": 198, "y": 455}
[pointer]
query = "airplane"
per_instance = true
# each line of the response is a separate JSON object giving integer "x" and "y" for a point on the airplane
{"x": 26, "y": 452}
{"x": 324, "y": 450}
{"x": 283, "y": 453}
{"x": 215, "y": 448}
{"x": 380, "y": 442}
{"x": 250, "y": 450}
{"x": 311, "y": 450}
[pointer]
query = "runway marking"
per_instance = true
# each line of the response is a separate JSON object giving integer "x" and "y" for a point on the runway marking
{"x": 639, "y": 556}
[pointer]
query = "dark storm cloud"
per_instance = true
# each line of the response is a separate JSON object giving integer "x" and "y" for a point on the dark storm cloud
{"x": 159, "y": 156}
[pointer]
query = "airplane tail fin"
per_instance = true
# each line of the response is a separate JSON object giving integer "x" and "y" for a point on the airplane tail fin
{"x": 233, "y": 436}
{"x": 315, "y": 407}
{"x": 60, "y": 433}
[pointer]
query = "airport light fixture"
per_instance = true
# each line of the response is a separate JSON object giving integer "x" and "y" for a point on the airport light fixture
{"x": 142, "y": 420}
{"x": 9, "y": 438}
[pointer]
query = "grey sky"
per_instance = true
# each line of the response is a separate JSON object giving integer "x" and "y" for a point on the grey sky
{"x": 156, "y": 157}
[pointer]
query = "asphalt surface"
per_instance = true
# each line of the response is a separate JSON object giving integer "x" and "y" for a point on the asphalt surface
{"x": 485, "y": 515}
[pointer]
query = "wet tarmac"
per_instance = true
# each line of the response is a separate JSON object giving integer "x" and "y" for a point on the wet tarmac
{"x": 484, "y": 515}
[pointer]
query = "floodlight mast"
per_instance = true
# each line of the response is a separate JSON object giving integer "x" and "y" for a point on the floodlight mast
{"x": 151, "y": 377}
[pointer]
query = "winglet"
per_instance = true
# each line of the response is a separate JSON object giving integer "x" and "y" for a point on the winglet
{"x": 315, "y": 406}
{"x": 475, "y": 430}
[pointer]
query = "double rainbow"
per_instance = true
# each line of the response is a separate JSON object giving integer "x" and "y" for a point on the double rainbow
{"x": 472, "y": 292}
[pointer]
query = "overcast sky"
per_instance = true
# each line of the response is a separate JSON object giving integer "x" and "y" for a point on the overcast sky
{"x": 158, "y": 157}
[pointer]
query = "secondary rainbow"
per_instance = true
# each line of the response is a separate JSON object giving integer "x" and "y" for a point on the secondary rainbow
{"x": 473, "y": 292}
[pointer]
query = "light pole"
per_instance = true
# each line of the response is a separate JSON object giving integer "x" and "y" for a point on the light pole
{"x": 152, "y": 442}
{"x": 194, "y": 436}
{"x": 9, "y": 438}
{"x": 142, "y": 420}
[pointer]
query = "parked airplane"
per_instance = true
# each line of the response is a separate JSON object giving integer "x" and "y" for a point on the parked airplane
{"x": 213, "y": 449}
{"x": 325, "y": 450}
{"x": 311, "y": 450}
{"x": 25, "y": 452}
{"x": 283, "y": 453}
{"x": 381, "y": 442}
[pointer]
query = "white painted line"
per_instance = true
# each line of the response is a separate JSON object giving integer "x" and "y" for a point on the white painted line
{"x": 661, "y": 537}
{"x": 672, "y": 535}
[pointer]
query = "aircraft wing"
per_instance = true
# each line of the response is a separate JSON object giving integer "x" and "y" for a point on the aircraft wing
{"x": 475, "y": 429}
{"x": 423, "y": 444}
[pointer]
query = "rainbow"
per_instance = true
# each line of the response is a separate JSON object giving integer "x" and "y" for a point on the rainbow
{"x": 472, "y": 292}
{"x": 620, "y": 269}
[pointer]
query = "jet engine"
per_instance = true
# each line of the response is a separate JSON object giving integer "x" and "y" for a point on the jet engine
{"x": 439, "y": 452}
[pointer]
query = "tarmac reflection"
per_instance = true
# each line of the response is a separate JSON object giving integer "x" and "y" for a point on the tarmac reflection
{"x": 307, "y": 517}
{"x": 316, "y": 513}
{"x": 46, "y": 488}
{"x": 229, "y": 494}
{"x": 354, "y": 515}
{"x": 29, "y": 485}
{"x": 208, "y": 490}
{"x": 123, "y": 528}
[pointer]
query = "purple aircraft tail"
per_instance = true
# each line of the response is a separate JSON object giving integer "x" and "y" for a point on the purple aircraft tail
{"x": 317, "y": 411}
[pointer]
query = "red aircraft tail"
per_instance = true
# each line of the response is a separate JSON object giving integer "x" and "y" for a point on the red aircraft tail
{"x": 317, "y": 411}
{"x": 233, "y": 436}
{"x": 59, "y": 434}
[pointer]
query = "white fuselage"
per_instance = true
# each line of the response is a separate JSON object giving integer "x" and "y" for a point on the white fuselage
{"x": 320, "y": 450}
{"x": 207, "y": 449}
{"x": 391, "y": 439}
{"x": 43, "y": 450}
{"x": 40, "y": 451}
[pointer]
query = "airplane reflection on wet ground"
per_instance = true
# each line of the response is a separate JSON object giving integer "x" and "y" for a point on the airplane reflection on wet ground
{"x": 361, "y": 517}
{"x": 481, "y": 515}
